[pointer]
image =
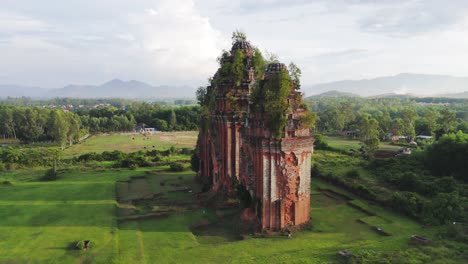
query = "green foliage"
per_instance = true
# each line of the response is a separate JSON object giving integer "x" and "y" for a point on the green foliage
{"x": 447, "y": 120}
{"x": 29, "y": 156}
{"x": 320, "y": 143}
{"x": 176, "y": 167}
{"x": 295, "y": 73}
{"x": 50, "y": 175}
{"x": 238, "y": 35}
{"x": 271, "y": 98}
{"x": 398, "y": 116}
{"x": 407, "y": 202}
{"x": 308, "y": 120}
{"x": 402, "y": 183}
{"x": 353, "y": 173}
{"x": 200, "y": 94}
{"x": 133, "y": 160}
{"x": 173, "y": 120}
{"x": 445, "y": 208}
{"x": 258, "y": 63}
{"x": 195, "y": 162}
{"x": 161, "y": 124}
{"x": 448, "y": 156}
{"x": 237, "y": 68}
{"x": 457, "y": 232}
{"x": 91, "y": 156}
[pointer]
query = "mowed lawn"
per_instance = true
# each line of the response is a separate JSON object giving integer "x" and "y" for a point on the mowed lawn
{"x": 344, "y": 143}
{"x": 133, "y": 142}
{"x": 41, "y": 221}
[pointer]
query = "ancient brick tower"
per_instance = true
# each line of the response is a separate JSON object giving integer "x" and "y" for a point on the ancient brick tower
{"x": 239, "y": 150}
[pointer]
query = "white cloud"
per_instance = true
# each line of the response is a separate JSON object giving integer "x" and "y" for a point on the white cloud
{"x": 151, "y": 11}
{"x": 12, "y": 23}
{"x": 54, "y": 43}
{"x": 177, "y": 40}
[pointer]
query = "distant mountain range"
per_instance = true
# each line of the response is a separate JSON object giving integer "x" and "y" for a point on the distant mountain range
{"x": 404, "y": 83}
{"x": 334, "y": 93}
{"x": 113, "y": 89}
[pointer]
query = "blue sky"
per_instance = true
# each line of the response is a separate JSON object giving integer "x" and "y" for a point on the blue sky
{"x": 54, "y": 43}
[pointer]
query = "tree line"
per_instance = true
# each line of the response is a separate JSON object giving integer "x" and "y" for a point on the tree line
{"x": 42, "y": 124}
{"x": 376, "y": 119}
{"x": 33, "y": 124}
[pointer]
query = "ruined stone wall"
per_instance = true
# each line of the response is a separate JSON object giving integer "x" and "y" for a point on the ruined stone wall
{"x": 236, "y": 147}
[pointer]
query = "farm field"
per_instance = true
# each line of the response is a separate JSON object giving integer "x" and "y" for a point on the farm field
{"x": 151, "y": 215}
{"x": 133, "y": 142}
{"x": 343, "y": 143}
{"x": 41, "y": 221}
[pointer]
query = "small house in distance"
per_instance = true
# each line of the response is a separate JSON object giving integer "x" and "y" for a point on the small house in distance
{"x": 150, "y": 130}
{"x": 350, "y": 133}
{"x": 424, "y": 137}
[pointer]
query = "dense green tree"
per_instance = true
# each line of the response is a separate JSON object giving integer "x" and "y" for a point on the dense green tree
{"x": 295, "y": 73}
{"x": 409, "y": 118}
{"x": 369, "y": 133}
{"x": 445, "y": 207}
{"x": 446, "y": 120}
{"x": 58, "y": 127}
{"x": 237, "y": 68}
{"x": 448, "y": 156}
{"x": 271, "y": 98}
{"x": 172, "y": 120}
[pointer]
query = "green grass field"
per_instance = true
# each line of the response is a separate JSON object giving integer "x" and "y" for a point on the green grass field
{"x": 40, "y": 221}
{"x": 344, "y": 143}
{"x": 132, "y": 143}
{"x": 150, "y": 215}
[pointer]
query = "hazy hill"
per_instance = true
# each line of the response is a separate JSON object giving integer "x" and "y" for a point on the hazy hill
{"x": 113, "y": 89}
{"x": 123, "y": 89}
{"x": 404, "y": 83}
{"x": 456, "y": 95}
{"x": 19, "y": 91}
{"x": 335, "y": 93}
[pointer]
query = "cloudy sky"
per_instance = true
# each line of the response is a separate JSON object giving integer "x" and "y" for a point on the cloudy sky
{"x": 54, "y": 43}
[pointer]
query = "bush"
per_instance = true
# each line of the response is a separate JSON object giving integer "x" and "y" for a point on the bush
{"x": 195, "y": 162}
{"x": 407, "y": 202}
{"x": 448, "y": 156}
{"x": 365, "y": 192}
{"x": 186, "y": 151}
{"x": 133, "y": 162}
{"x": 176, "y": 167}
{"x": 156, "y": 158}
{"x": 114, "y": 155}
{"x": 320, "y": 143}
{"x": 50, "y": 175}
{"x": 2, "y": 167}
{"x": 353, "y": 174}
{"x": 457, "y": 232}
{"x": 445, "y": 185}
{"x": 6, "y": 183}
{"x": 444, "y": 208}
{"x": 91, "y": 156}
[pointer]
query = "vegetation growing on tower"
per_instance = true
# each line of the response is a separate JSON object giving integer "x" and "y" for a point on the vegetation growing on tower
{"x": 270, "y": 97}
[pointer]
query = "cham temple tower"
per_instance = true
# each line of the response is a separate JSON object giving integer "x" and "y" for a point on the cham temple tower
{"x": 254, "y": 141}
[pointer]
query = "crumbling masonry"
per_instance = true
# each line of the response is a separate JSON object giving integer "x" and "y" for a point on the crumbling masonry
{"x": 238, "y": 151}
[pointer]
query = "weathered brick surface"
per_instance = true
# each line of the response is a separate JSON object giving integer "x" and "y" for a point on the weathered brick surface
{"x": 237, "y": 148}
